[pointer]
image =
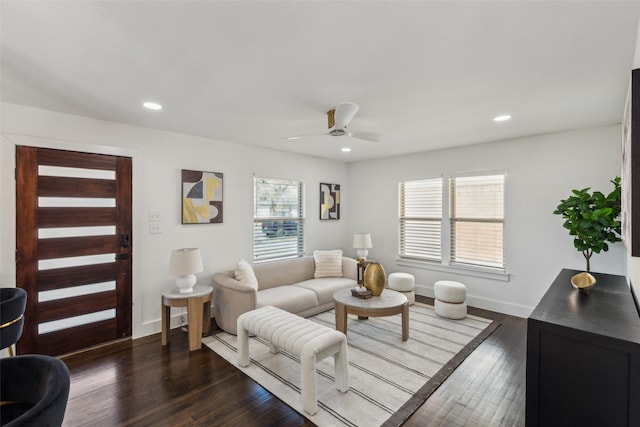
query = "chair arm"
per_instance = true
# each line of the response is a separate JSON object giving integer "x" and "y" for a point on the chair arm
{"x": 224, "y": 281}
{"x": 231, "y": 298}
{"x": 350, "y": 268}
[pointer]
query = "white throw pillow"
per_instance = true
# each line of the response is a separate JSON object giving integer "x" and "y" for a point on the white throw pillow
{"x": 328, "y": 263}
{"x": 245, "y": 274}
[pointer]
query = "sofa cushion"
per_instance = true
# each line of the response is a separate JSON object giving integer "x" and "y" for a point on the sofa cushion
{"x": 325, "y": 287}
{"x": 293, "y": 299}
{"x": 244, "y": 273}
{"x": 327, "y": 263}
{"x": 283, "y": 272}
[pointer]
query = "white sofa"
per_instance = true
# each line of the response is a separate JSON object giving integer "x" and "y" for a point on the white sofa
{"x": 287, "y": 284}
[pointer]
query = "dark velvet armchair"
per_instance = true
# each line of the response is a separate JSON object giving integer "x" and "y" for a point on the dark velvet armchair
{"x": 34, "y": 388}
{"x": 12, "y": 304}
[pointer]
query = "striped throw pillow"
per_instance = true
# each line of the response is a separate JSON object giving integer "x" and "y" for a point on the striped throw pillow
{"x": 328, "y": 263}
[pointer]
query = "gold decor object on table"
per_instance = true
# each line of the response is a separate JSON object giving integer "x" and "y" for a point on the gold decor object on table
{"x": 583, "y": 282}
{"x": 375, "y": 278}
{"x": 361, "y": 267}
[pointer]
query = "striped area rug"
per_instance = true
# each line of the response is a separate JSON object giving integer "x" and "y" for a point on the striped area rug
{"x": 389, "y": 379}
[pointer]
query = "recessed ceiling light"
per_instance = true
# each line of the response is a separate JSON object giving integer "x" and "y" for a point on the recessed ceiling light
{"x": 346, "y": 149}
{"x": 152, "y": 105}
{"x": 502, "y": 118}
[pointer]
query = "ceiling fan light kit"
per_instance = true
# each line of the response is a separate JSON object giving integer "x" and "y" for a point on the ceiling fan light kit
{"x": 338, "y": 119}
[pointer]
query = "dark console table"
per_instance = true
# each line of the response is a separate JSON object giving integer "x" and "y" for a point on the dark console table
{"x": 583, "y": 356}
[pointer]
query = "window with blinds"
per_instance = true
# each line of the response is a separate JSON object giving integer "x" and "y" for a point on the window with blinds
{"x": 278, "y": 220}
{"x": 477, "y": 220}
{"x": 421, "y": 219}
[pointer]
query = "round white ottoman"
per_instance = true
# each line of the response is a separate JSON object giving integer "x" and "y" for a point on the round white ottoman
{"x": 449, "y": 310}
{"x": 450, "y": 299}
{"x": 404, "y": 283}
{"x": 448, "y": 291}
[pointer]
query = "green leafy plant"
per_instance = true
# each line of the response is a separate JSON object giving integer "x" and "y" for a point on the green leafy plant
{"x": 592, "y": 218}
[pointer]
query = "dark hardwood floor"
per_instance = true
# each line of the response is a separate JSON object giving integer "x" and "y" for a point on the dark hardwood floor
{"x": 141, "y": 383}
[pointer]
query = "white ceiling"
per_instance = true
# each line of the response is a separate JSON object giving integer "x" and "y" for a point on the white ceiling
{"x": 427, "y": 75}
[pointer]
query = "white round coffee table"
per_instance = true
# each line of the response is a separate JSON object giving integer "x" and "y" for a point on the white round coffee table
{"x": 388, "y": 303}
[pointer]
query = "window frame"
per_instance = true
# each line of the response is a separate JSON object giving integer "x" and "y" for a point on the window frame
{"x": 446, "y": 265}
{"x": 482, "y": 220}
{"x": 274, "y": 236}
{"x": 403, "y": 238}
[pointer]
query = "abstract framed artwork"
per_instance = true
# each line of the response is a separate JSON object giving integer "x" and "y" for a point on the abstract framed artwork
{"x": 201, "y": 197}
{"x": 329, "y": 201}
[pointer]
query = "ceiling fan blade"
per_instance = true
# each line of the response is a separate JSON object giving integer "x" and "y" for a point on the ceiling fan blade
{"x": 309, "y": 135}
{"x": 367, "y": 136}
{"x": 345, "y": 111}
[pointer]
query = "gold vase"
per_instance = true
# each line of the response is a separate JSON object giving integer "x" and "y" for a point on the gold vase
{"x": 374, "y": 278}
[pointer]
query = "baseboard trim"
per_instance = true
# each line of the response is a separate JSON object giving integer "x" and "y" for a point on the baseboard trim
{"x": 155, "y": 326}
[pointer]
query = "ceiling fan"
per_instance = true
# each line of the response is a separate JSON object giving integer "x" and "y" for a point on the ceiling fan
{"x": 338, "y": 120}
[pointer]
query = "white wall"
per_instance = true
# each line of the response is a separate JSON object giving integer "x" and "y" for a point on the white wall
{"x": 541, "y": 171}
{"x": 158, "y": 158}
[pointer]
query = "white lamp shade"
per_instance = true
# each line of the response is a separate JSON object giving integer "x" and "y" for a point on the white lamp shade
{"x": 362, "y": 241}
{"x": 185, "y": 261}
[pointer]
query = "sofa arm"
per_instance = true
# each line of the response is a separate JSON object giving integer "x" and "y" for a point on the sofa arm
{"x": 350, "y": 268}
{"x": 231, "y": 298}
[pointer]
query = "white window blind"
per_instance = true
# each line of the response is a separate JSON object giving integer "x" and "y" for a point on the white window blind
{"x": 421, "y": 219}
{"x": 278, "y": 224}
{"x": 477, "y": 220}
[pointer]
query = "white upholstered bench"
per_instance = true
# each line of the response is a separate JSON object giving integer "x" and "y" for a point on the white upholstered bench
{"x": 308, "y": 340}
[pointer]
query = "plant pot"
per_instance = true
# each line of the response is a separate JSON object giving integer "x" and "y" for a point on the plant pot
{"x": 375, "y": 278}
{"x": 583, "y": 282}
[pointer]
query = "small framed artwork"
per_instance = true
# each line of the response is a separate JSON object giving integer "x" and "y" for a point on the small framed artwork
{"x": 329, "y": 201}
{"x": 201, "y": 197}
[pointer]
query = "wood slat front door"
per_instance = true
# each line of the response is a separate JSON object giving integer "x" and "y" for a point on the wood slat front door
{"x": 73, "y": 248}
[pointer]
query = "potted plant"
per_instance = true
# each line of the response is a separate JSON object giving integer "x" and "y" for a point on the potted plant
{"x": 592, "y": 218}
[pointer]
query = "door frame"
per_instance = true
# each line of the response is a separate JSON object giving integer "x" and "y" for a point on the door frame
{"x": 8, "y": 215}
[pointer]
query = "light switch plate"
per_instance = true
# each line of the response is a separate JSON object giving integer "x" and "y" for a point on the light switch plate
{"x": 155, "y": 227}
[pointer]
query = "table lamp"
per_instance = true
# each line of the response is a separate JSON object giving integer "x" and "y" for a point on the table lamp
{"x": 362, "y": 242}
{"x": 184, "y": 263}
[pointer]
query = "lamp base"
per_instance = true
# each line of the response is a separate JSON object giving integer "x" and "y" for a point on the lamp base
{"x": 185, "y": 283}
{"x": 362, "y": 253}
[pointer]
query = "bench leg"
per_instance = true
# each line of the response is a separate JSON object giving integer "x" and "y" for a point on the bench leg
{"x": 308, "y": 395}
{"x": 341, "y": 364}
{"x": 243, "y": 346}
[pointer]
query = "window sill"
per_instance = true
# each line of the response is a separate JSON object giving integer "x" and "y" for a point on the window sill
{"x": 457, "y": 269}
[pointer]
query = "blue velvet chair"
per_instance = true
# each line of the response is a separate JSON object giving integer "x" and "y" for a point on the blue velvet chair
{"x": 34, "y": 390}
